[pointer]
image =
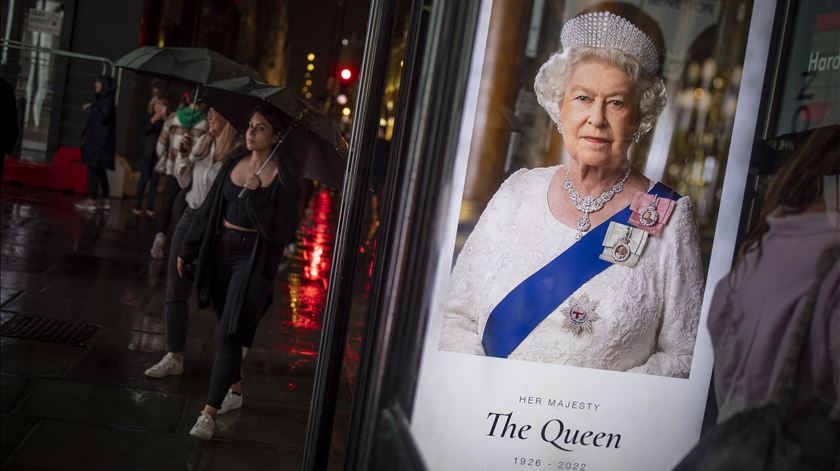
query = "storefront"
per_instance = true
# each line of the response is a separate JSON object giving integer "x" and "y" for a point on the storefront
{"x": 745, "y": 80}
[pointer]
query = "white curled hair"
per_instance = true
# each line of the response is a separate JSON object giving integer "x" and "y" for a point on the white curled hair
{"x": 552, "y": 78}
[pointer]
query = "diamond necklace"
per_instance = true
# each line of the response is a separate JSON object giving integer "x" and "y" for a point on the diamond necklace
{"x": 589, "y": 204}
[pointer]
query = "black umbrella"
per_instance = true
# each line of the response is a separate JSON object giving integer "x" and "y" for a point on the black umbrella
{"x": 315, "y": 133}
{"x": 193, "y": 66}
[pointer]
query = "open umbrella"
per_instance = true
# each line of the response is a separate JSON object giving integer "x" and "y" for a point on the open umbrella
{"x": 189, "y": 65}
{"x": 314, "y": 133}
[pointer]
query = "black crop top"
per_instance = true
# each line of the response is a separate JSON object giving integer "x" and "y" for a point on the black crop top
{"x": 236, "y": 212}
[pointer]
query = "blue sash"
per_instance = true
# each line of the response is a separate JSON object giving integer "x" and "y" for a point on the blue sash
{"x": 540, "y": 294}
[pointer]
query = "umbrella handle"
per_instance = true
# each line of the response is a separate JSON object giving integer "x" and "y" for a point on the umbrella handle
{"x": 194, "y": 105}
{"x": 243, "y": 191}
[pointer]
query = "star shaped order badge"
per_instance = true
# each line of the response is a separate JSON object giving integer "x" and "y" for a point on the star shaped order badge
{"x": 579, "y": 315}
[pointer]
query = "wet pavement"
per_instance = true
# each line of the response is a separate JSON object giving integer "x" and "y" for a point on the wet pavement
{"x": 91, "y": 407}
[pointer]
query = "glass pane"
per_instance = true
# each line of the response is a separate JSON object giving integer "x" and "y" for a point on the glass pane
{"x": 37, "y": 24}
{"x": 810, "y": 84}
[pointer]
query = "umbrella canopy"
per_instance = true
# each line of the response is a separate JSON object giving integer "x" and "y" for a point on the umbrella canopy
{"x": 193, "y": 66}
{"x": 325, "y": 146}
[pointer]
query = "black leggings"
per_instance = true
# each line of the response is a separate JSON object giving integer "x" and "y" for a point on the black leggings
{"x": 96, "y": 178}
{"x": 233, "y": 249}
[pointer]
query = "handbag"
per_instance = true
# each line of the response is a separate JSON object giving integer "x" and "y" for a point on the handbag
{"x": 777, "y": 436}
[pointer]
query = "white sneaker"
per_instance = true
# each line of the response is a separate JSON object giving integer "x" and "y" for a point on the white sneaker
{"x": 86, "y": 205}
{"x": 232, "y": 401}
{"x": 166, "y": 367}
{"x": 204, "y": 426}
{"x": 157, "y": 245}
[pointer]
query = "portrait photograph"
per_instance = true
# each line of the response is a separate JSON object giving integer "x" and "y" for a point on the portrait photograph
{"x": 593, "y": 179}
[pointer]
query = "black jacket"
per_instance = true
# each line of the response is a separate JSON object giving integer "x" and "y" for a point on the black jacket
{"x": 99, "y": 138}
{"x": 9, "y": 136}
{"x": 148, "y": 137}
{"x": 275, "y": 214}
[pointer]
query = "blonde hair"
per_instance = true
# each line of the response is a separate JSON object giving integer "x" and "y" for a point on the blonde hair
{"x": 552, "y": 78}
{"x": 154, "y": 101}
{"x": 225, "y": 141}
{"x": 151, "y": 108}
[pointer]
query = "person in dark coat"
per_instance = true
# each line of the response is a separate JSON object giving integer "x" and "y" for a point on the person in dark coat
{"x": 99, "y": 142}
{"x": 152, "y": 124}
{"x": 10, "y": 135}
{"x": 235, "y": 245}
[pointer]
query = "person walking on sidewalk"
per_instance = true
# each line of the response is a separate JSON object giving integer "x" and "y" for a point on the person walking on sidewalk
{"x": 235, "y": 244}
{"x": 98, "y": 143}
{"x": 152, "y": 125}
{"x": 190, "y": 120}
{"x": 197, "y": 165}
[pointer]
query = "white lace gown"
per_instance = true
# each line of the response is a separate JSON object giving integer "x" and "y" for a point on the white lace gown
{"x": 648, "y": 313}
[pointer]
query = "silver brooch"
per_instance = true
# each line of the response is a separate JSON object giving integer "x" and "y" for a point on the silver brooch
{"x": 650, "y": 216}
{"x": 622, "y": 250}
{"x": 579, "y": 315}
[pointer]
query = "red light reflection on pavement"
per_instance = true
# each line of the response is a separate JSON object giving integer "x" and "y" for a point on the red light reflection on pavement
{"x": 308, "y": 287}
{"x": 297, "y": 319}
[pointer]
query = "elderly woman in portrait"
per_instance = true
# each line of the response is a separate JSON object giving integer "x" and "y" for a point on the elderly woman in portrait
{"x": 588, "y": 264}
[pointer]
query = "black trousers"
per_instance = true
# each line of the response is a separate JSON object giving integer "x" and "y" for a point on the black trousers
{"x": 170, "y": 194}
{"x": 233, "y": 249}
{"x": 178, "y": 289}
{"x": 147, "y": 175}
{"x": 97, "y": 177}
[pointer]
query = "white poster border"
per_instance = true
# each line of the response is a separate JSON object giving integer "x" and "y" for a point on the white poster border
{"x": 657, "y": 418}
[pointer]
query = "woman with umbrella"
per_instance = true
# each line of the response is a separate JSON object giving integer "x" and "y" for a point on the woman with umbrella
{"x": 234, "y": 246}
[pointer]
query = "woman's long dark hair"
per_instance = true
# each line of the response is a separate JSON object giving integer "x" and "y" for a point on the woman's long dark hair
{"x": 799, "y": 183}
{"x": 289, "y": 156}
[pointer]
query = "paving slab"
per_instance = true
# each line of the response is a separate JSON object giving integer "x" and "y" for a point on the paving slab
{"x": 13, "y": 388}
{"x": 89, "y": 310}
{"x": 29, "y": 357}
{"x": 134, "y": 340}
{"x": 5, "y": 316}
{"x": 126, "y": 368}
{"x": 13, "y": 428}
{"x": 224, "y": 456}
{"x": 82, "y": 446}
{"x": 8, "y": 294}
{"x": 102, "y": 404}
{"x": 12, "y": 279}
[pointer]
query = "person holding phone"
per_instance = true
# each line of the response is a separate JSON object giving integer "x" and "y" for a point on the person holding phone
{"x": 196, "y": 167}
{"x": 190, "y": 120}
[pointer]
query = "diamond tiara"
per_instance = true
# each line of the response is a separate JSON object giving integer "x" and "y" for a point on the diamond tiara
{"x": 607, "y": 30}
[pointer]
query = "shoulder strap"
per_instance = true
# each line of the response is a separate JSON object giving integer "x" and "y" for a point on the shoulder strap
{"x": 784, "y": 389}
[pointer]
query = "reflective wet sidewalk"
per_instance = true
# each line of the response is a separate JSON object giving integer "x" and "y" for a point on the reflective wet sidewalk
{"x": 90, "y": 406}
